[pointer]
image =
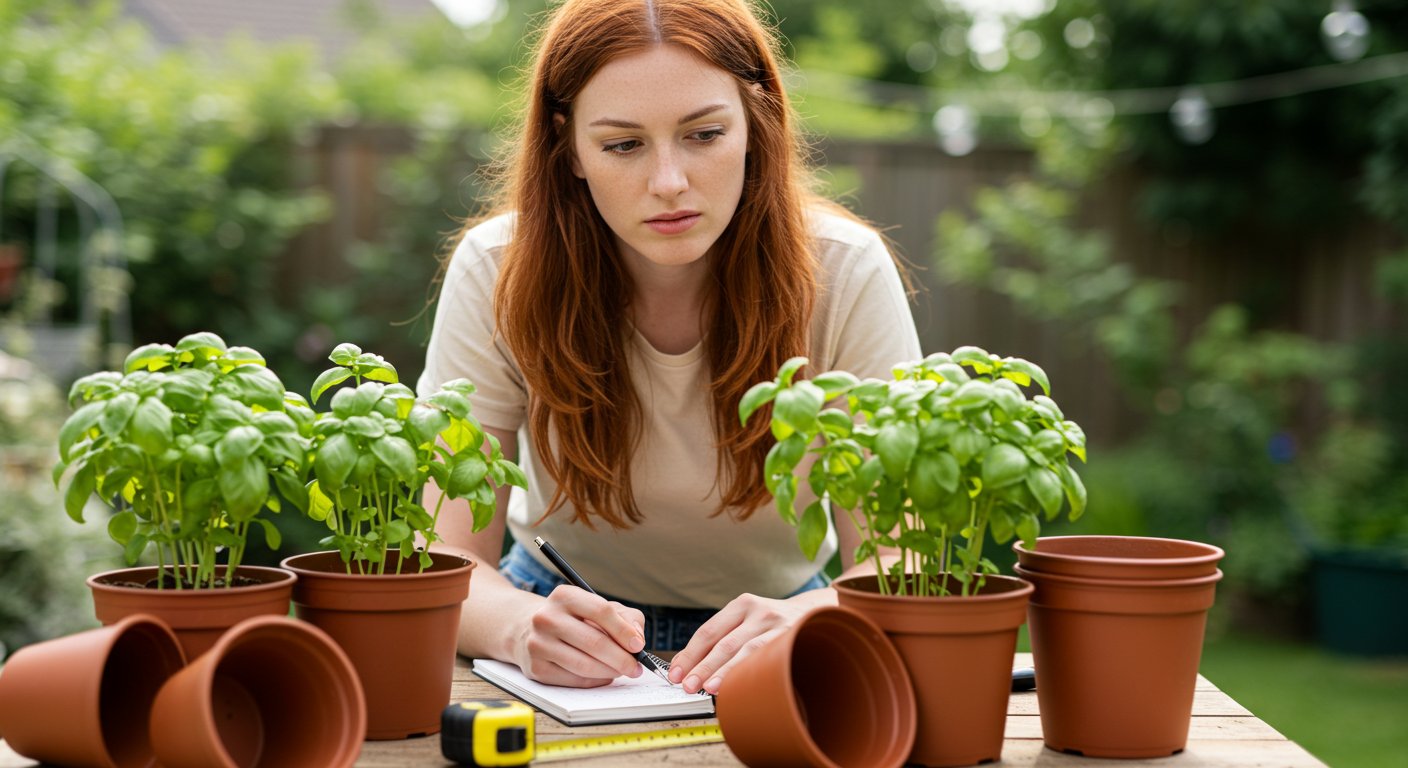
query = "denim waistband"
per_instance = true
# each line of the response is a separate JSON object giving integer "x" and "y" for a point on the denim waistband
{"x": 667, "y": 628}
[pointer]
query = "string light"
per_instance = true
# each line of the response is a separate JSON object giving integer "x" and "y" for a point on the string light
{"x": 1192, "y": 116}
{"x": 1190, "y": 108}
{"x": 1345, "y": 31}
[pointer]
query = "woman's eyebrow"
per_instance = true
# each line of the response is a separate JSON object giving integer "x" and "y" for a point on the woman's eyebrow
{"x": 692, "y": 116}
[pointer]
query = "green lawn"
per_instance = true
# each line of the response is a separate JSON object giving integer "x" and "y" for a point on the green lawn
{"x": 1349, "y": 712}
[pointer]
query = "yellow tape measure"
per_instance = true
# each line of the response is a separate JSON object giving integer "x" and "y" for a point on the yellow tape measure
{"x": 495, "y": 732}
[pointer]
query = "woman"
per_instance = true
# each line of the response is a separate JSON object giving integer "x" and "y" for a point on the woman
{"x": 657, "y": 252}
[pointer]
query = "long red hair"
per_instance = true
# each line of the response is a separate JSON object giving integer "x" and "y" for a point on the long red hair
{"x": 563, "y": 296}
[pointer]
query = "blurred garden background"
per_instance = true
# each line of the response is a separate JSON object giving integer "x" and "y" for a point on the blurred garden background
{"x": 1193, "y": 216}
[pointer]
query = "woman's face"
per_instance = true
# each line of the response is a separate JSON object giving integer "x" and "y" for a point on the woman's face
{"x": 660, "y": 138}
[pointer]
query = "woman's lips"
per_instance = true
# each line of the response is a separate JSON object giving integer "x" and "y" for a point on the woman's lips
{"x": 673, "y": 226}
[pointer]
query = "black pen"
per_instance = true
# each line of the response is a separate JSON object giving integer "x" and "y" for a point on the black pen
{"x": 646, "y": 659}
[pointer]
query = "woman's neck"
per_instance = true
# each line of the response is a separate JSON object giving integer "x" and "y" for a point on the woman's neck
{"x": 667, "y": 305}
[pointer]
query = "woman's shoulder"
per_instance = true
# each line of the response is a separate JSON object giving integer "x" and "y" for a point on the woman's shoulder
{"x": 839, "y": 235}
{"x": 485, "y": 239}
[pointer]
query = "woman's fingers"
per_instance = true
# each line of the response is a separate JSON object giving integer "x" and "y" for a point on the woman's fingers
{"x": 744, "y": 625}
{"x": 577, "y": 638}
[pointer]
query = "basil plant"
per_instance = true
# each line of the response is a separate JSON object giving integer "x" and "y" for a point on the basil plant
{"x": 930, "y": 463}
{"x": 187, "y": 444}
{"x": 378, "y": 446}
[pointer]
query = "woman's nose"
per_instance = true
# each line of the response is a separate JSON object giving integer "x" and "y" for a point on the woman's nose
{"x": 667, "y": 178}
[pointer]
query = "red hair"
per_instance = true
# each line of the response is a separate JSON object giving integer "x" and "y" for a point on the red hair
{"x": 563, "y": 294}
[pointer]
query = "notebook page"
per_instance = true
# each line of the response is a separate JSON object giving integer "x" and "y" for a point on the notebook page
{"x": 643, "y": 696}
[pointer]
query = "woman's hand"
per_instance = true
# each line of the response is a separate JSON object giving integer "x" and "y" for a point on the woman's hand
{"x": 578, "y": 639}
{"x": 744, "y": 625}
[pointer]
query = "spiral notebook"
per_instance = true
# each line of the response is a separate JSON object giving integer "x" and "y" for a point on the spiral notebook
{"x": 624, "y": 700}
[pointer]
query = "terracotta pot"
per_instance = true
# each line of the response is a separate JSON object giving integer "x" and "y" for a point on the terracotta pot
{"x": 958, "y": 651}
{"x": 271, "y": 692}
{"x": 1117, "y": 661}
{"x": 198, "y": 616}
{"x": 399, "y": 631}
{"x": 1119, "y": 557}
{"x": 83, "y": 700}
{"x": 830, "y": 692}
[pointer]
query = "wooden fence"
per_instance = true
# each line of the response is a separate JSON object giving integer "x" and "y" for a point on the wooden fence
{"x": 1321, "y": 285}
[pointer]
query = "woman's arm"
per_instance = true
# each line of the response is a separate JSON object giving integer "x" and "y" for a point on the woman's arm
{"x": 570, "y": 638}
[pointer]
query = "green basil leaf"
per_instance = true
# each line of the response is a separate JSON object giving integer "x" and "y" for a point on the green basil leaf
{"x": 895, "y": 445}
{"x": 396, "y": 455}
{"x": 1045, "y": 486}
{"x": 789, "y": 369}
{"x": 1024, "y": 369}
{"x": 320, "y": 507}
{"x": 836, "y": 383}
{"x": 122, "y": 526}
{"x": 291, "y": 489}
{"x": 326, "y": 380}
{"x": 974, "y": 357}
{"x": 466, "y": 473}
{"x": 150, "y": 426}
{"x": 245, "y": 485}
{"x": 238, "y": 444}
{"x": 118, "y": 412}
{"x": 196, "y": 499}
{"x": 1003, "y": 465}
{"x": 253, "y": 385}
{"x": 345, "y": 354}
{"x": 1028, "y": 528}
{"x": 967, "y": 443}
{"x": 1075, "y": 491}
{"x": 77, "y": 426}
{"x": 397, "y": 531}
{"x": 334, "y": 460}
{"x": 811, "y": 530}
{"x": 80, "y": 489}
{"x": 513, "y": 474}
{"x": 836, "y": 423}
{"x": 150, "y": 357}
{"x": 972, "y": 395}
{"x": 454, "y": 403}
{"x": 756, "y": 396}
{"x": 202, "y": 345}
{"x": 94, "y": 386}
{"x": 272, "y": 537}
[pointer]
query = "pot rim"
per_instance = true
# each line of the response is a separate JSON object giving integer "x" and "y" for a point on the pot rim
{"x": 1021, "y": 586}
{"x": 1034, "y": 576}
{"x": 280, "y": 578}
{"x": 293, "y": 567}
{"x": 1211, "y": 552}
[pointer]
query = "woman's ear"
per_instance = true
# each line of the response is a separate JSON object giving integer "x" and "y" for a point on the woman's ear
{"x": 558, "y": 121}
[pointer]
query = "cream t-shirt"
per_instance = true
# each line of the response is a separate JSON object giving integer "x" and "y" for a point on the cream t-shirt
{"x": 682, "y": 554}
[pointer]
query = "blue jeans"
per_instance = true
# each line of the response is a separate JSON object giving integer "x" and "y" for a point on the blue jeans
{"x": 666, "y": 628}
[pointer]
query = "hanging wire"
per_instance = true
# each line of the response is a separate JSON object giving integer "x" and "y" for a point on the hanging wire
{"x": 1132, "y": 101}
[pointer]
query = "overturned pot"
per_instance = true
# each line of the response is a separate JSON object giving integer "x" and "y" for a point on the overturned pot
{"x": 84, "y": 700}
{"x": 830, "y": 692}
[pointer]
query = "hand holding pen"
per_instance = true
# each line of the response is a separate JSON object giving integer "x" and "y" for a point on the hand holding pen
{"x": 646, "y": 659}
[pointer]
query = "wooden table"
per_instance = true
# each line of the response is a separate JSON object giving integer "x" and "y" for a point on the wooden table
{"x": 1223, "y": 733}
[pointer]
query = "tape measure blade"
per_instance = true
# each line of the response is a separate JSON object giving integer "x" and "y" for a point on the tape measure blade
{"x": 592, "y": 746}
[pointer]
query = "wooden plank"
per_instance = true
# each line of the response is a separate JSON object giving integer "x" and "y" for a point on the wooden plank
{"x": 1206, "y": 754}
{"x": 1206, "y": 702}
{"x": 1200, "y": 729}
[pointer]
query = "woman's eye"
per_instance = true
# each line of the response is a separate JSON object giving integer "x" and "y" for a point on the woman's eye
{"x": 621, "y": 147}
{"x": 709, "y": 135}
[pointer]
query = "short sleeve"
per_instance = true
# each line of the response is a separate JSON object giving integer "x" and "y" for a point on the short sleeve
{"x": 463, "y": 343}
{"x": 866, "y": 325}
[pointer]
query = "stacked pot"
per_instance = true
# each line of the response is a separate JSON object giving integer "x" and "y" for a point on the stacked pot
{"x": 1116, "y": 628}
